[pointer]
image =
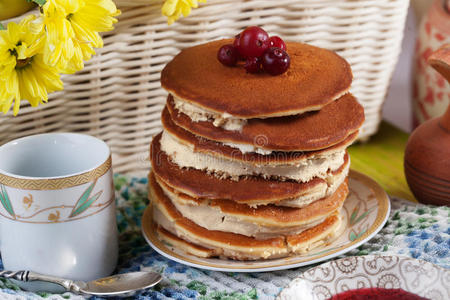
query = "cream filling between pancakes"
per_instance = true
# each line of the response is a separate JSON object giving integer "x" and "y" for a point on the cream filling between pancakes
{"x": 302, "y": 171}
{"x": 196, "y": 114}
{"x": 212, "y": 218}
{"x": 223, "y": 120}
{"x": 325, "y": 190}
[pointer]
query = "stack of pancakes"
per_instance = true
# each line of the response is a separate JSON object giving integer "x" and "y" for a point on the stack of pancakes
{"x": 252, "y": 166}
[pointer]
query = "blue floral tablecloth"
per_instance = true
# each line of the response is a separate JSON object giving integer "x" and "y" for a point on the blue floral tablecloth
{"x": 413, "y": 230}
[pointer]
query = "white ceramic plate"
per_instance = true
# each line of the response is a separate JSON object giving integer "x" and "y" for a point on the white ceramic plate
{"x": 365, "y": 212}
{"x": 390, "y": 272}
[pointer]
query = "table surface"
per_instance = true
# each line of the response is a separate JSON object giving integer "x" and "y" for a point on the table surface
{"x": 413, "y": 230}
{"x": 382, "y": 159}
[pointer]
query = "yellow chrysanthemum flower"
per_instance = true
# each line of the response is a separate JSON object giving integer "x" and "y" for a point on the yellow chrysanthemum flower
{"x": 23, "y": 73}
{"x": 173, "y": 9}
{"x": 72, "y": 28}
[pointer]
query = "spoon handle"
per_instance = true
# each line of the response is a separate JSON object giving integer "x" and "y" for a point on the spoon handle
{"x": 26, "y": 276}
{"x": 18, "y": 275}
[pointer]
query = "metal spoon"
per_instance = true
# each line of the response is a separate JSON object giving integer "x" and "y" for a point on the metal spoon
{"x": 117, "y": 285}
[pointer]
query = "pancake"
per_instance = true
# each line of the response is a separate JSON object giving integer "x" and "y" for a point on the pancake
{"x": 237, "y": 246}
{"x": 315, "y": 77}
{"x": 174, "y": 241}
{"x": 222, "y": 244}
{"x": 201, "y": 145}
{"x": 262, "y": 222}
{"x": 306, "y": 132}
{"x": 332, "y": 184}
{"x": 249, "y": 190}
{"x": 301, "y": 171}
{"x": 315, "y": 237}
{"x": 308, "y": 240}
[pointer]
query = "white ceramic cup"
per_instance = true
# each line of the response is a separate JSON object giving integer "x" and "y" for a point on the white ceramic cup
{"x": 57, "y": 210}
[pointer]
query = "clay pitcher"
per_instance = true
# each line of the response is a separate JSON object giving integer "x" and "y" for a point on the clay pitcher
{"x": 427, "y": 154}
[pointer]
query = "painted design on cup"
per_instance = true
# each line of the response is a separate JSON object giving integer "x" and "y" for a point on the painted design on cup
{"x": 56, "y": 183}
{"x": 31, "y": 212}
{"x": 27, "y": 201}
{"x": 85, "y": 201}
{"x": 6, "y": 202}
{"x": 57, "y": 210}
{"x": 56, "y": 198}
{"x": 54, "y": 214}
{"x": 54, "y": 217}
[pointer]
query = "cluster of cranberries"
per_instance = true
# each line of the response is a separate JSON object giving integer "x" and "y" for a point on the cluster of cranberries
{"x": 259, "y": 51}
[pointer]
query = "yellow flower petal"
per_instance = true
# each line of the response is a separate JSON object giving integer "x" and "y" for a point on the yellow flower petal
{"x": 12, "y": 83}
{"x": 70, "y": 24}
{"x": 169, "y": 7}
{"x": 13, "y": 31}
{"x": 23, "y": 76}
{"x": 173, "y": 9}
{"x": 192, "y": 3}
{"x": 6, "y": 103}
{"x": 34, "y": 51}
{"x": 186, "y": 10}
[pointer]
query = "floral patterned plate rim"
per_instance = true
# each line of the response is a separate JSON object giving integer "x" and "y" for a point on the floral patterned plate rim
{"x": 364, "y": 214}
{"x": 390, "y": 272}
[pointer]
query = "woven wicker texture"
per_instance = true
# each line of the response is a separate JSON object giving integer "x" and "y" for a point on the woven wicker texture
{"x": 118, "y": 97}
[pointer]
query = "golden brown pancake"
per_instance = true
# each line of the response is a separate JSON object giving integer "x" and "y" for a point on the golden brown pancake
{"x": 315, "y": 78}
{"x": 249, "y": 190}
{"x": 306, "y": 241}
{"x": 266, "y": 215}
{"x": 174, "y": 241}
{"x": 314, "y": 237}
{"x": 262, "y": 222}
{"x": 203, "y": 145}
{"x": 163, "y": 212}
{"x": 236, "y": 246}
{"x": 306, "y": 132}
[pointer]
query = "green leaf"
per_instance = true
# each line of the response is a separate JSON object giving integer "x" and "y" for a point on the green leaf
{"x": 363, "y": 215}
{"x": 40, "y": 2}
{"x": 354, "y": 214}
{"x": 352, "y": 236}
{"x": 2, "y": 27}
{"x": 4, "y": 198}
{"x": 361, "y": 233}
{"x": 84, "y": 202}
{"x": 322, "y": 251}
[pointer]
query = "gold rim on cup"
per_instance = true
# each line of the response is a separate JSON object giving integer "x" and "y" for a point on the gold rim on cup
{"x": 56, "y": 183}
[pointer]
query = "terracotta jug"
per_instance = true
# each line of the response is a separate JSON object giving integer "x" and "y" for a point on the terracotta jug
{"x": 427, "y": 154}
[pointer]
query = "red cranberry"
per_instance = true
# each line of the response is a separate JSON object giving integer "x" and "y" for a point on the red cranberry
{"x": 275, "y": 61}
{"x": 237, "y": 41}
{"x": 253, "y": 64}
{"x": 227, "y": 55}
{"x": 237, "y": 44}
{"x": 253, "y": 42}
{"x": 276, "y": 41}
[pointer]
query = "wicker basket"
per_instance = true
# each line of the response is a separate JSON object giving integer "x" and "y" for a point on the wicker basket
{"x": 118, "y": 97}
